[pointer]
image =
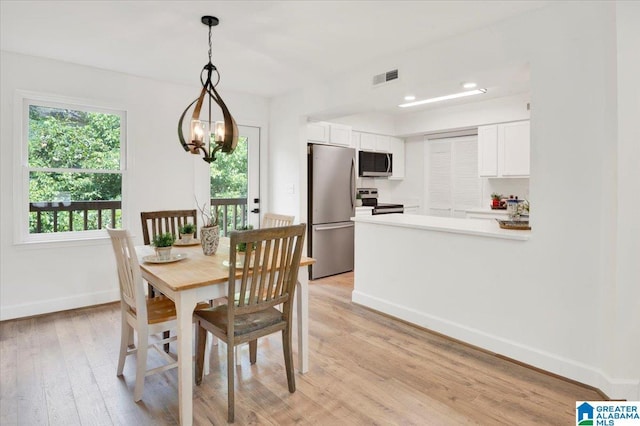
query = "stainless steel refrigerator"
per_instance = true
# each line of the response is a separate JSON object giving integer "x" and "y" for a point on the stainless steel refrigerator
{"x": 331, "y": 204}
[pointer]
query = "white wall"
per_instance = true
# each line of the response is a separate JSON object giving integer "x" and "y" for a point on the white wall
{"x": 622, "y": 311}
{"x": 577, "y": 262}
{"x": 498, "y": 110}
{"x": 40, "y": 278}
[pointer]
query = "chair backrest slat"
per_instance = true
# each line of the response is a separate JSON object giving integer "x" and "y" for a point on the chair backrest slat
{"x": 269, "y": 270}
{"x": 160, "y": 222}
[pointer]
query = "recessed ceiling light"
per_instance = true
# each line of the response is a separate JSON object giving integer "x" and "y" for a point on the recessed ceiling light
{"x": 409, "y": 98}
{"x": 469, "y": 85}
{"x": 444, "y": 98}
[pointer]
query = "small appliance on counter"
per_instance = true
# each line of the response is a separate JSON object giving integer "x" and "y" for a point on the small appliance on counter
{"x": 370, "y": 198}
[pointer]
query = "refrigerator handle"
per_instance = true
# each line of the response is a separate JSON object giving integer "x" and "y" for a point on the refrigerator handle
{"x": 332, "y": 227}
{"x": 353, "y": 182}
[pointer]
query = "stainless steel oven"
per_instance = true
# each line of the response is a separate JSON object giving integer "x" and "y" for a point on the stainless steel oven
{"x": 369, "y": 197}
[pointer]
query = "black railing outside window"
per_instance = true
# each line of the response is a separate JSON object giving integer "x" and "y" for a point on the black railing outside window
{"x": 74, "y": 216}
{"x": 70, "y": 216}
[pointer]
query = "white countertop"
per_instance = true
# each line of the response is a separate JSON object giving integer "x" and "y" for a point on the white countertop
{"x": 480, "y": 227}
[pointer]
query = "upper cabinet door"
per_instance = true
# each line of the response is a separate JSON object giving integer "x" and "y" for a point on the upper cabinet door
{"x": 329, "y": 133}
{"x": 513, "y": 142}
{"x": 318, "y": 132}
{"x": 367, "y": 142}
{"x": 340, "y": 135}
{"x": 488, "y": 151}
{"x": 503, "y": 150}
{"x": 382, "y": 143}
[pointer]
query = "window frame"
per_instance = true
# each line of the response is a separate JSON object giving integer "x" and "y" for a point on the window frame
{"x": 22, "y": 101}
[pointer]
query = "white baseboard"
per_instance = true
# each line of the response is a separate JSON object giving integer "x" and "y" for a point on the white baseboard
{"x": 565, "y": 367}
{"x": 60, "y": 304}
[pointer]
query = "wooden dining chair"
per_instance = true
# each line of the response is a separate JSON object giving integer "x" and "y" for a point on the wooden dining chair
{"x": 147, "y": 316}
{"x": 272, "y": 220}
{"x": 163, "y": 221}
{"x": 160, "y": 222}
{"x": 268, "y": 278}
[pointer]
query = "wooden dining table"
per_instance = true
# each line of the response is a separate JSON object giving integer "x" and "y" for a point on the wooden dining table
{"x": 198, "y": 278}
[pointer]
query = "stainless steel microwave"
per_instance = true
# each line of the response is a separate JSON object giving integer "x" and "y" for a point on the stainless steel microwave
{"x": 375, "y": 164}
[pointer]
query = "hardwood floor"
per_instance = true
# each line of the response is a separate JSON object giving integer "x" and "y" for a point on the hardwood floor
{"x": 60, "y": 369}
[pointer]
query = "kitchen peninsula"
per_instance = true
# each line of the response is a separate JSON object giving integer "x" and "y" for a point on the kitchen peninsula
{"x": 458, "y": 277}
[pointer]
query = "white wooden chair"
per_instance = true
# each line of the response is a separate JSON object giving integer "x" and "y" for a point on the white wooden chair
{"x": 273, "y": 220}
{"x": 146, "y": 316}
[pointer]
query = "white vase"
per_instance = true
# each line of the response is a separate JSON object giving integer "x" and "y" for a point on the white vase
{"x": 209, "y": 238}
{"x": 163, "y": 253}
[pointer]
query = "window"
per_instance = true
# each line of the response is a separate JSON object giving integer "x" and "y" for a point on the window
{"x": 73, "y": 163}
{"x": 453, "y": 184}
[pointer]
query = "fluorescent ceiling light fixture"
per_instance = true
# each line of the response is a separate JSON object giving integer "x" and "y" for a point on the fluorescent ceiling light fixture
{"x": 469, "y": 85}
{"x": 409, "y": 98}
{"x": 444, "y": 98}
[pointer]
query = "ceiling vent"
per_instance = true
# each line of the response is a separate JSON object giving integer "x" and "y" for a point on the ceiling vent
{"x": 385, "y": 77}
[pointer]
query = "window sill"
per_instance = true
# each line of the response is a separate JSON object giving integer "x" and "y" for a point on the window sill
{"x": 64, "y": 240}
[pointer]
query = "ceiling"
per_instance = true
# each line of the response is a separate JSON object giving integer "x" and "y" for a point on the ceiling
{"x": 260, "y": 47}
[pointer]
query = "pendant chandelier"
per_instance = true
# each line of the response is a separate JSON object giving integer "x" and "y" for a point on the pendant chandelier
{"x": 207, "y": 136}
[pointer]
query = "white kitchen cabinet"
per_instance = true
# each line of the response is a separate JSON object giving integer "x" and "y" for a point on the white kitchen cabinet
{"x": 382, "y": 143}
{"x": 367, "y": 142}
{"x": 503, "y": 150}
{"x": 318, "y": 132}
{"x": 339, "y": 134}
{"x": 329, "y": 133}
{"x": 396, "y": 147}
{"x": 488, "y": 151}
{"x": 374, "y": 143}
{"x": 513, "y": 144}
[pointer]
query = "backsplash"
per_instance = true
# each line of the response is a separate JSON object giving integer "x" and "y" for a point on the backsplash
{"x": 513, "y": 186}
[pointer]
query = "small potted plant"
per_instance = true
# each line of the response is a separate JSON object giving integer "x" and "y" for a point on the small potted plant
{"x": 186, "y": 232}
{"x": 210, "y": 232}
{"x": 358, "y": 200}
{"x": 495, "y": 200}
{"x": 163, "y": 244}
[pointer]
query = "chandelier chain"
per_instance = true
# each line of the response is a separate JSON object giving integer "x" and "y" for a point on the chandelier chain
{"x": 209, "y": 43}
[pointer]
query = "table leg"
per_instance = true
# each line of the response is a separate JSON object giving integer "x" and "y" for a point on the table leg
{"x": 185, "y": 304}
{"x": 302, "y": 302}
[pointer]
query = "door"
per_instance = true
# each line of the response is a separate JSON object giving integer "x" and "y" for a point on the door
{"x": 332, "y": 180}
{"x": 235, "y": 182}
